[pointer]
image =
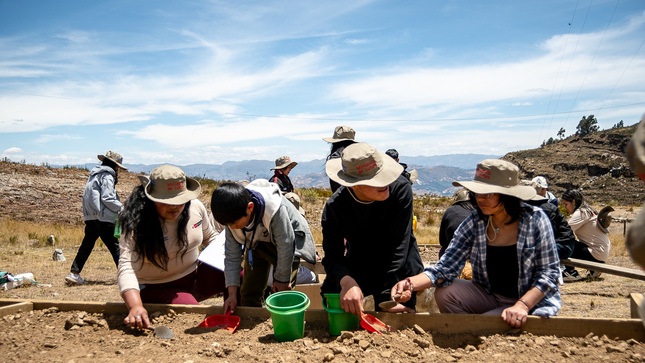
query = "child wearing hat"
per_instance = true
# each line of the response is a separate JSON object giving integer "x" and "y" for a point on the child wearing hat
{"x": 101, "y": 205}
{"x": 515, "y": 266}
{"x": 163, "y": 225}
{"x": 263, "y": 229}
{"x": 283, "y": 166}
{"x": 367, "y": 229}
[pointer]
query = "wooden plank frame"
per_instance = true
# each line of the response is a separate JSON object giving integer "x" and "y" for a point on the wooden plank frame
{"x": 603, "y": 267}
{"x": 434, "y": 323}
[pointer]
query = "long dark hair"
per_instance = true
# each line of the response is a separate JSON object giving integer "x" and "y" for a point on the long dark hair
{"x": 575, "y": 196}
{"x": 139, "y": 220}
{"x": 336, "y": 149}
{"x": 512, "y": 205}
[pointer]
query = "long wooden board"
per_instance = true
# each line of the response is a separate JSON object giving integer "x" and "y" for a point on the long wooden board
{"x": 606, "y": 268}
{"x": 434, "y": 323}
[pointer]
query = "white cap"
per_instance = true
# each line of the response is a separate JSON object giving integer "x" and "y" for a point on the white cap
{"x": 541, "y": 182}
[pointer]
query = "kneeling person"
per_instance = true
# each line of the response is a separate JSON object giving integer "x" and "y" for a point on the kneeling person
{"x": 263, "y": 229}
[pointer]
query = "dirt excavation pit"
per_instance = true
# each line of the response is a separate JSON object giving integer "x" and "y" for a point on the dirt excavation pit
{"x": 77, "y": 336}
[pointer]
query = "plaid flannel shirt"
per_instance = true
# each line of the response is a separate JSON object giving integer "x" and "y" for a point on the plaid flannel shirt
{"x": 536, "y": 255}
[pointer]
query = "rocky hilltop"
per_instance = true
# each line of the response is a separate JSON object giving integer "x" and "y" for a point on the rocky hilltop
{"x": 596, "y": 164}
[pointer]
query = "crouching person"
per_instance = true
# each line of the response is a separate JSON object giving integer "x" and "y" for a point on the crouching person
{"x": 263, "y": 229}
{"x": 512, "y": 250}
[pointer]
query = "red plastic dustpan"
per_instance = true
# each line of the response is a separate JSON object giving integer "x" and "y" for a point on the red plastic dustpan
{"x": 373, "y": 325}
{"x": 219, "y": 321}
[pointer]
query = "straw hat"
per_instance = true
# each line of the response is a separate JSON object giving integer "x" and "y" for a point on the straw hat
{"x": 497, "y": 176}
{"x": 282, "y": 162}
{"x": 168, "y": 184}
{"x": 341, "y": 133}
{"x": 361, "y": 164}
{"x": 114, "y": 157}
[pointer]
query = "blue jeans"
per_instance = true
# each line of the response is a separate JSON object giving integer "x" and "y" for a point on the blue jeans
{"x": 93, "y": 230}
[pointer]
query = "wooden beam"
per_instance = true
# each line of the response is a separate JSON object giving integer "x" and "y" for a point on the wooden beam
{"x": 606, "y": 268}
{"x": 635, "y": 302}
{"x": 433, "y": 323}
{"x": 14, "y": 307}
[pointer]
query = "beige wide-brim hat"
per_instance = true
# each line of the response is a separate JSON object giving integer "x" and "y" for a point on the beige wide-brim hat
{"x": 282, "y": 162}
{"x": 295, "y": 200}
{"x": 169, "y": 184}
{"x": 362, "y": 164}
{"x": 114, "y": 157}
{"x": 341, "y": 133}
{"x": 497, "y": 176}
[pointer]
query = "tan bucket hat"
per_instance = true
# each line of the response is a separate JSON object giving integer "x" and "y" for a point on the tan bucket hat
{"x": 113, "y": 156}
{"x": 295, "y": 200}
{"x": 282, "y": 162}
{"x": 341, "y": 133}
{"x": 362, "y": 164}
{"x": 169, "y": 184}
{"x": 497, "y": 176}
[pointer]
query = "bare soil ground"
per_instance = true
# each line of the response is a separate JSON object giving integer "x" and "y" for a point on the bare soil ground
{"x": 43, "y": 336}
{"x": 41, "y": 194}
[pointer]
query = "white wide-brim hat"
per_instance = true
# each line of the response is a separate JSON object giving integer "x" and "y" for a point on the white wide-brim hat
{"x": 361, "y": 164}
{"x": 497, "y": 176}
{"x": 169, "y": 184}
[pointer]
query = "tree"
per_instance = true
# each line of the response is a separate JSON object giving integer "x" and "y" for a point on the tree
{"x": 619, "y": 125}
{"x": 561, "y": 133}
{"x": 587, "y": 125}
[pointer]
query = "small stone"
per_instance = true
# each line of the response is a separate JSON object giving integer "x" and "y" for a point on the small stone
{"x": 539, "y": 341}
{"x": 615, "y": 349}
{"x": 421, "y": 342}
{"x": 364, "y": 344}
{"x": 470, "y": 348}
{"x": 346, "y": 335}
{"x": 328, "y": 357}
{"x": 166, "y": 344}
{"x": 119, "y": 352}
{"x": 50, "y": 345}
{"x": 386, "y": 354}
{"x": 419, "y": 330}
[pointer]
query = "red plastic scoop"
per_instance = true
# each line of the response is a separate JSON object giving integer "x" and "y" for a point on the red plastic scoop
{"x": 219, "y": 321}
{"x": 373, "y": 325}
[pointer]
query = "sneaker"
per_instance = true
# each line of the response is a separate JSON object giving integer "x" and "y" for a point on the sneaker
{"x": 593, "y": 275}
{"x": 74, "y": 279}
{"x": 571, "y": 276}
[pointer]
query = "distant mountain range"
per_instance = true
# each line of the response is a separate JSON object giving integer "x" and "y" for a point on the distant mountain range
{"x": 436, "y": 173}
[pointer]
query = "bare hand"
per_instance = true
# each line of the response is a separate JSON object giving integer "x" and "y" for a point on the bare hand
{"x": 280, "y": 286}
{"x": 230, "y": 303}
{"x": 137, "y": 318}
{"x": 351, "y": 300}
{"x": 515, "y": 316}
{"x": 401, "y": 292}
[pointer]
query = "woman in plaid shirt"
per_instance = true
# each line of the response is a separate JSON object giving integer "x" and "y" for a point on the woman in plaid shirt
{"x": 512, "y": 250}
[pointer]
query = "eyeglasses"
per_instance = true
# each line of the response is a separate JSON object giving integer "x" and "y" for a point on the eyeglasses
{"x": 484, "y": 196}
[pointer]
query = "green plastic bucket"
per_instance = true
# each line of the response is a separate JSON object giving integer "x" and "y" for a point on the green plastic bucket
{"x": 288, "y": 300}
{"x": 338, "y": 319}
{"x": 288, "y": 321}
{"x": 332, "y": 301}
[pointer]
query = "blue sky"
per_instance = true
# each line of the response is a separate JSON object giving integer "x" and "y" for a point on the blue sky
{"x": 186, "y": 82}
